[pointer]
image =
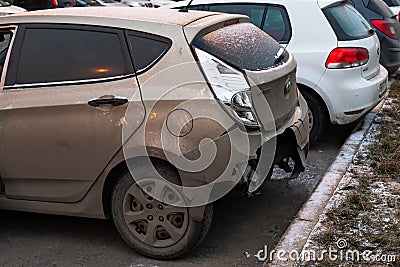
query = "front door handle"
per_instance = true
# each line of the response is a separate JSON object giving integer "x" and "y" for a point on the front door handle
{"x": 108, "y": 100}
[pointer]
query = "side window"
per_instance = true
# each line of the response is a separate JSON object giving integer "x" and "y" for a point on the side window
{"x": 5, "y": 39}
{"x": 254, "y": 12}
{"x": 147, "y": 49}
{"x": 277, "y": 24}
{"x": 63, "y": 54}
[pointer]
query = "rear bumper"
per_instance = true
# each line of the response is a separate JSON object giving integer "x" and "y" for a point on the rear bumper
{"x": 300, "y": 127}
{"x": 289, "y": 141}
{"x": 352, "y": 95}
{"x": 293, "y": 142}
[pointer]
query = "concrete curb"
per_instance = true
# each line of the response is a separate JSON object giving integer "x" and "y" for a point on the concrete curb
{"x": 301, "y": 227}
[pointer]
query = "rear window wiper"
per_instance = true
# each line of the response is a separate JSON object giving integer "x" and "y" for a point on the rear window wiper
{"x": 371, "y": 31}
{"x": 280, "y": 55}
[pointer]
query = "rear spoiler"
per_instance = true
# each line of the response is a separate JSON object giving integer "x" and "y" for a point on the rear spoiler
{"x": 211, "y": 23}
{"x": 330, "y": 3}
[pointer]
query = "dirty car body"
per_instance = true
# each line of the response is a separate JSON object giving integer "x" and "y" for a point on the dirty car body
{"x": 76, "y": 127}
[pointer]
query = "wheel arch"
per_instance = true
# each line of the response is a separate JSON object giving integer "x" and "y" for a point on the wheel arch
{"x": 321, "y": 99}
{"x": 115, "y": 173}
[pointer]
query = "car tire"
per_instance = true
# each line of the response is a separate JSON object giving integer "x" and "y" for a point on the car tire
{"x": 172, "y": 235}
{"x": 317, "y": 116}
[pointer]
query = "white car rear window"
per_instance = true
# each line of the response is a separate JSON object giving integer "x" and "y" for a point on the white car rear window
{"x": 347, "y": 23}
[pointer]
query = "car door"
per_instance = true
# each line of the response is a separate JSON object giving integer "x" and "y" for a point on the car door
{"x": 62, "y": 108}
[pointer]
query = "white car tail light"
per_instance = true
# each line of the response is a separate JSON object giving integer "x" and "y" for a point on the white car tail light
{"x": 229, "y": 86}
{"x": 347, "y": 57}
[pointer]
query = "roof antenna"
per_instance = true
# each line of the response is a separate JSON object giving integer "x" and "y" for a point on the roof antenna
{"x": 186, "y": 8}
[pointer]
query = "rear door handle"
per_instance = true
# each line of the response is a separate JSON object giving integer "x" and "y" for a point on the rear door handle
{"x": 114, "y": 101}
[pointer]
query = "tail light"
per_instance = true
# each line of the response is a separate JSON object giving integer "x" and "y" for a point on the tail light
{"x": 55, "y": 3}
{"x": 385, "y": 27}
{"x": 347, "y": 57}
{"x": 229, "y": 86}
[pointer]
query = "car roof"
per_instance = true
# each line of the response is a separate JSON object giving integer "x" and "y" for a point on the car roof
{"x": 113, "y": 15}
{"x": 321, "y": 3}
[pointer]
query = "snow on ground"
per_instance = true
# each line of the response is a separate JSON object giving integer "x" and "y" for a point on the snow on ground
{"x": 367, "y": 228}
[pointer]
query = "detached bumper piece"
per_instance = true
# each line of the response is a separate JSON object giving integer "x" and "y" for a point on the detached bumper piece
{"x": 287, "y": 148}
{"x": 292, "y": 144}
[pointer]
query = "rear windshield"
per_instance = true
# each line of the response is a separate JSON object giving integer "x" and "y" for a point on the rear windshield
{"x": 347, "y": 23}
{"x": 244, "y": 46}
{"x": 378, "y": 6}
{"x": 392, "y": 2}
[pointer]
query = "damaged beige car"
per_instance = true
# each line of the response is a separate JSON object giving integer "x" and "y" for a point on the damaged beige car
{"x": 143, "y": 116}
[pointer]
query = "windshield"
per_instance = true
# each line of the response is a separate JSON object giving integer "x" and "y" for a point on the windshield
{"x": 243, "y": 45}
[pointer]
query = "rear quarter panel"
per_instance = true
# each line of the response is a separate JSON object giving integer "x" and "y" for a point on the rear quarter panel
{"x": 312, "y": 41}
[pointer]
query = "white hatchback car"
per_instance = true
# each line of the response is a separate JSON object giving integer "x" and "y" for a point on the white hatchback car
{"x": 336, "y": 50}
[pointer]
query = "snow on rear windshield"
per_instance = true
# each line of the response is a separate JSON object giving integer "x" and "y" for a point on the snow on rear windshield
{"x": 242, "y": 45}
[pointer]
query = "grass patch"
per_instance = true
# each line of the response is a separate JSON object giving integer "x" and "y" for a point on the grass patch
{"x": 385, "y": 153}
{"x": 366, "y": 219}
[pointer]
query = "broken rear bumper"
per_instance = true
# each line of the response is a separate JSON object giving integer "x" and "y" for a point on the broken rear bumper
{"x": 294, "y": 142}
{"x": 290, "y": 142}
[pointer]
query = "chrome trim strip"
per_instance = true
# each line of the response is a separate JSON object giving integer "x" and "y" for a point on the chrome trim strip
{"x": 64, "y": 83}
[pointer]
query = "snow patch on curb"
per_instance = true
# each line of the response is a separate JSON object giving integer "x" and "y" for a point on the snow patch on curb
{"x": 299, "y": 231}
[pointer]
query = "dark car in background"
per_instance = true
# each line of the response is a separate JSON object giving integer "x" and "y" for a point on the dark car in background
{"x": 387, "y": 27}
{"x": 42, "y": 4}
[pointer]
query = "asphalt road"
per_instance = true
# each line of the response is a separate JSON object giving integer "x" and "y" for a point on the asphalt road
{"x": 240, "y": 225}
